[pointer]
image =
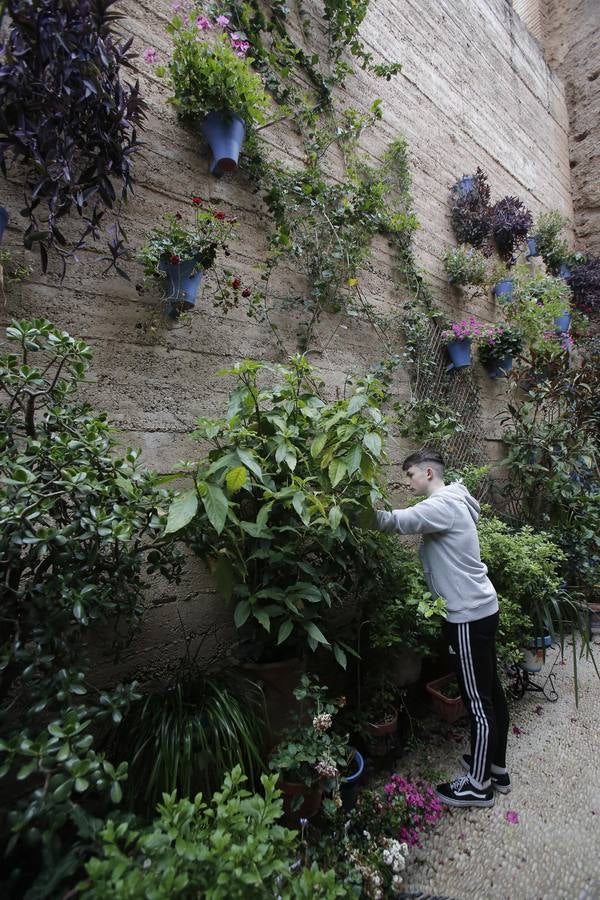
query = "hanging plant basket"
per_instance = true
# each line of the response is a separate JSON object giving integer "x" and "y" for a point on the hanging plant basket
{"x": 225, "y": 132}
{"x": 460, "y": 354}
{"x": 564, "y": 271}
{"x": 464, "y": 186}
{"x": 3, "y": 221}
{"x": 562, "y": 323}
{"x": 503, "y": 290}
{"x": 501, "y": 368}
{"x": 532, "y": 248}
{"x": 183, "y": 283}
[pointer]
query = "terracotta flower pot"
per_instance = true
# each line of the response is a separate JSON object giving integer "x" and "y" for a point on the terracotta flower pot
{"x": 310, "y": 800}
{"x": 387, "y": 726}
{"x": 448, "y": 708}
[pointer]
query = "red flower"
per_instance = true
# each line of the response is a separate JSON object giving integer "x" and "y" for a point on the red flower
{"x": 236, "y": 283}
{"x": 174, "y": 260}
{"x": 246, "y": 292}
{"x": 196, "y": 201}
{"x": 219, "y": 215}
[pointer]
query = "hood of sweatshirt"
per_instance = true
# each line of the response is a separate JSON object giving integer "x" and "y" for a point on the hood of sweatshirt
{"x": 458, "y": 491}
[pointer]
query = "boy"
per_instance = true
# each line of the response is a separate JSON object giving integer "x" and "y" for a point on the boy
{"x": 453, "y": 569}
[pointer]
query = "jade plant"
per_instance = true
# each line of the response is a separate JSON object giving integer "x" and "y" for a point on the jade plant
{"x": 272, "y": 504}
{"x": 67, "y": 120}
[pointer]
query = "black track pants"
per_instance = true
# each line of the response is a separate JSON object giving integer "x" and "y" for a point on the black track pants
{"x": 475, "y": 646}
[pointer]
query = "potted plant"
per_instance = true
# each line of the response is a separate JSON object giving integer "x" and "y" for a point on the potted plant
{"x": 350, "y": 782}
{"x": 213, "y": 85}
{"x": 553, "y": 248}
{"x": 465, "y": 266}
{"x": 470, "y": 210}
{"x": 584, "y": 281}
{"x": 502, "y": 282}
{"x": 446, "y": 698}
{"x": 379, "y": 712}
{"x": 310, "y": 755}
{"x": 510, "y": 224}
{"x": 179, "y": 254}
{"x": 458, "y": 341}
{"x": 537, "y": 300}
{"x": 497, "y": 345}
{"x": 68, "y": 121}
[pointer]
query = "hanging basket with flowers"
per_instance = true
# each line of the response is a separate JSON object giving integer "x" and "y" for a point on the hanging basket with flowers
{"x": 497, "y": 345}
{"x": 180, "y": 254}
{"x": 458, "y": 339}
{"x": 213, "y": 86}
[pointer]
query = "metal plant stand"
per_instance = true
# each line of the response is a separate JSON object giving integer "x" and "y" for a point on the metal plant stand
{"x": 525, "y": 681}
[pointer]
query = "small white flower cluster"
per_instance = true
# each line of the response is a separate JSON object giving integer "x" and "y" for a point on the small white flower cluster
{"x": 394, "y": 855}
{"x": 326, "y": 769}
{"x": 322, "y": 722}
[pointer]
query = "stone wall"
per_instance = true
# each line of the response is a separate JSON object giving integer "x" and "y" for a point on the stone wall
{"x": 474, "y": 90}
{"x": 572, "y": 45}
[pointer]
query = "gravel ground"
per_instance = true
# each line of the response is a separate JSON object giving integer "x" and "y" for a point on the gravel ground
{"x": 553, "y": 851}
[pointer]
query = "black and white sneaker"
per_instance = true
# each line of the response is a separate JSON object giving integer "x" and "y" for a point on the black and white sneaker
{"x": 461, "y": 792}
{"x": 500, "y": 781}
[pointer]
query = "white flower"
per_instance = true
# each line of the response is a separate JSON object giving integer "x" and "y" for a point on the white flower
{"x": 326, "y": 769}
{"x": 322, "y": 722}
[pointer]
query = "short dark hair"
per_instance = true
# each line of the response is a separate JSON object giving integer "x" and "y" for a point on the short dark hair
{"x": 423, "y": 456}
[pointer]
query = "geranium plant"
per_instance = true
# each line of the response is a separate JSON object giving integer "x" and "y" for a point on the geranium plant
{"x": 498, "y": 341}
{"x": 176, "y": 242}
{"x": 311, "y": 750}
{"x": 209, "y": 70}
{"x": 466, "y": 329}
{"x": 67, "y": 119}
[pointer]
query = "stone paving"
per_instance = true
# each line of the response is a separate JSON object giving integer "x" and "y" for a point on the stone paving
{"x": 553, "y": 851}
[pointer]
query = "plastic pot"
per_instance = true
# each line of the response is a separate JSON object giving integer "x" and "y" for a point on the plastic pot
{"x": 3, "y": 221}
{"x": 388, "y": 726}
{"x": 448, "y": 708}
{"x": 499, "y": 369}
{"x": 564, "y": 271}
{"x": 532, "y": 249}
{"x": 561, "y": 323}
{"x": 225, "y": 132}
{"x": 503, "y": 290}
{"x": 183, "y": 283}
{"x": 349, "y": 785}
{"x": 300, "y": 801}
{"x": 460, "y": 354}
{"x": 464, "y": 185}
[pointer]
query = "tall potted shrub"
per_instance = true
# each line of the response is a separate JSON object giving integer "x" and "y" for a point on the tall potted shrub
{"x": 271, "y": 506}
{"x": 179, "y": 254}
{"x": 213, "y": 85}
{"x": 67, "y": 120}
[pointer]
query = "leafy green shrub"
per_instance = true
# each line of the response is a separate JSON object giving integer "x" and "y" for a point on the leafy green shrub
{"x": 401, "y": 611}
{"x": 537, "y": 300}
{"x": 515, "y": 631}
{"x": 80, "y": 526}
{"x": 552, "y": 248}
{"x": 498, "y": 341}
{"x": 228, "y": 849}
{"x": 465, "y": 266}
{"x": 272, "y": 504}
{"x": 185, "y": 738}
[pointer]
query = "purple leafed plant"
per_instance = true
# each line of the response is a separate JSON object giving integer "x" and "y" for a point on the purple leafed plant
{"x": 584, "y": 281}
{"x": 471, "y": 211}
{"x": 67, "y": 121}
{"x": 510, "y": 224}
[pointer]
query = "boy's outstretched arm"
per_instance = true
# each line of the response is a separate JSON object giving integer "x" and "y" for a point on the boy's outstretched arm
{"x": 424, "y": 518}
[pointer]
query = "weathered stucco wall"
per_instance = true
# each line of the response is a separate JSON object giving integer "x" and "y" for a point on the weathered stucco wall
{"x": 572, "y": 45}
{"x": 475, "y": 90}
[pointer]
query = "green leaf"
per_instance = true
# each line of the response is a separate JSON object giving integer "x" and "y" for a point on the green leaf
{"x": 340, "y": 656}
{"x": 242, "y": 611}
{"x": 285, "y": 629}
{"x": 26, "y": 770}
{"x": 356, "y": 402}
{"x": 315, "y": 633}
{"x": 182, "y": 510}
{"x": 337, "y": 470}
{"x": 372, "y": 442}
{"x": 335, "y": 517}
{"x": 236, "y": 479}
{"x": 216, "y": 506}
{"x": 317, "y": 445}
{"x": 352, "y": 459}
{"x": 116, "y": 793}
{"x": 263, "y": 617}
{"x": 249, "y": 461}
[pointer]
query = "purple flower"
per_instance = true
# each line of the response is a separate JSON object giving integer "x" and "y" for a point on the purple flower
{"x": 222, "y": 21}
{"x": 512, "y": 816}
{"x": 203, "y": 23}
{"x": 149, "y": 55}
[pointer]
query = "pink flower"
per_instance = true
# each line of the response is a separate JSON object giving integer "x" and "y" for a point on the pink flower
{"x": 222, "y": 21}
{"x": 149, "y": 55}
{"x": 512, "y": 816}
{"x": 203, "y": 23}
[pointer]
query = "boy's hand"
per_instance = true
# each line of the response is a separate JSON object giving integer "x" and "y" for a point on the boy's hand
{"x": 363, "y": 517}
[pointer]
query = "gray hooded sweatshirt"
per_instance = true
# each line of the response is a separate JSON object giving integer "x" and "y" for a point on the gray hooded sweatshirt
{"x": 449, "y": 550}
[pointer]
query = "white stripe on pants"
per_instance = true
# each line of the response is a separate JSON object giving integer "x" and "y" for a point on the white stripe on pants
{"x": 482, "y": 725}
